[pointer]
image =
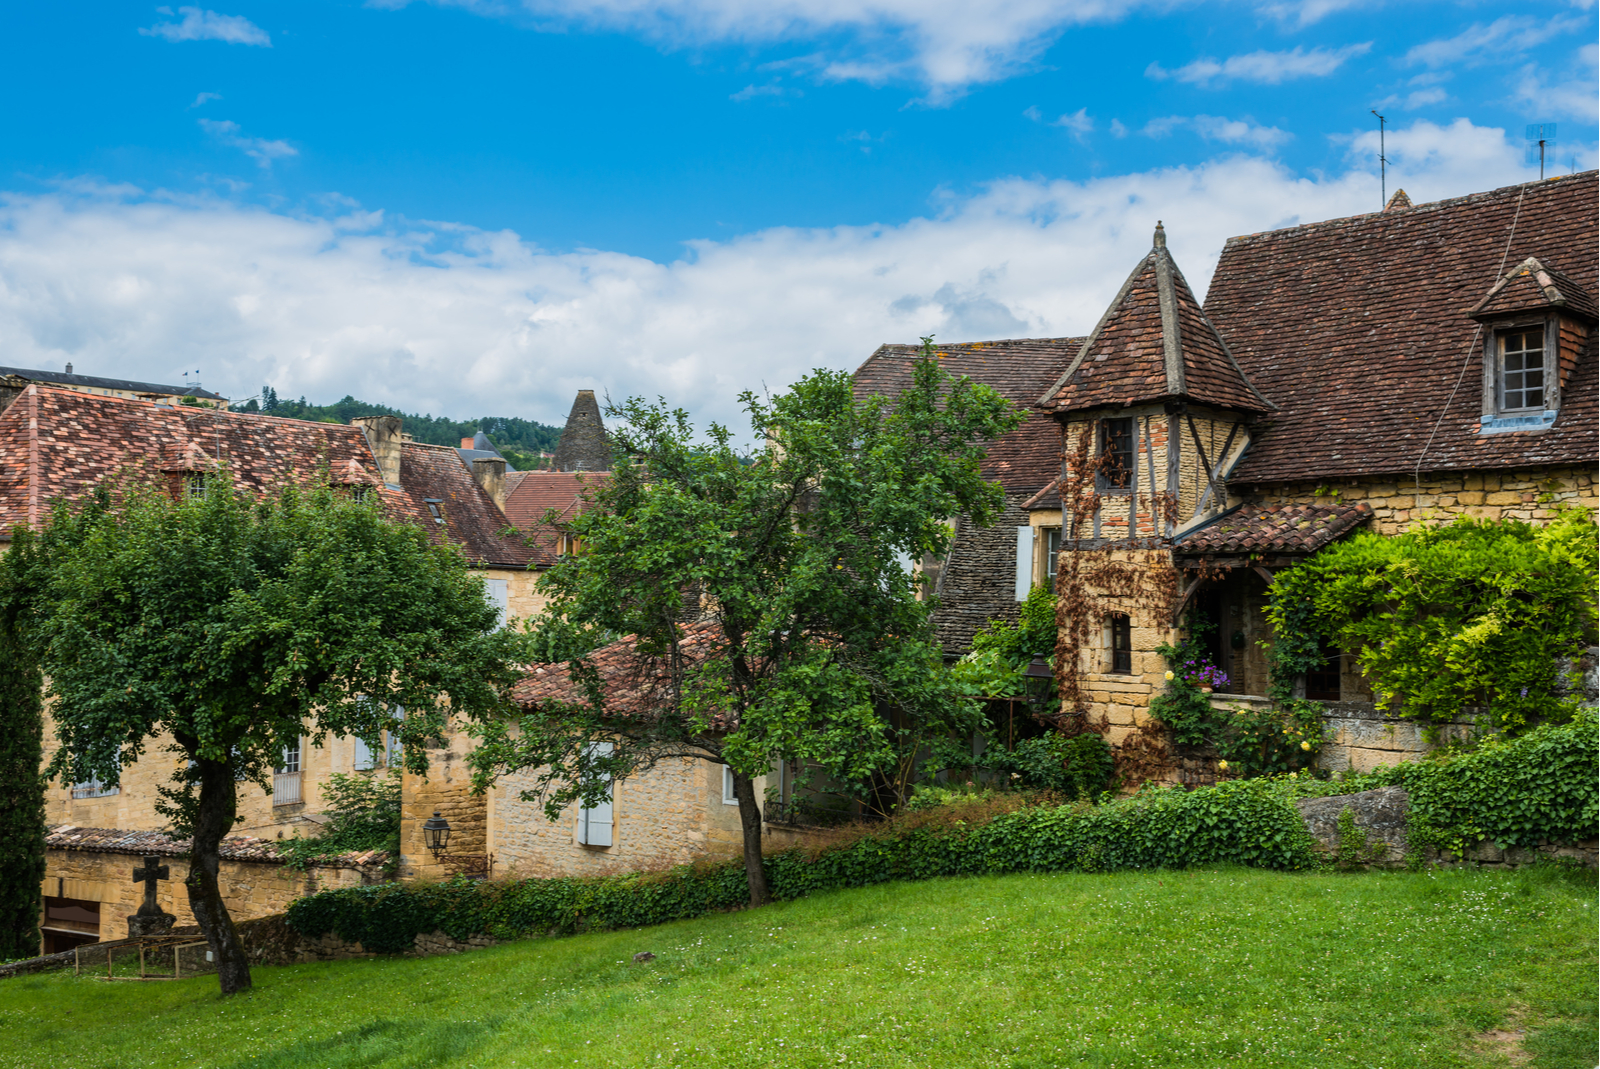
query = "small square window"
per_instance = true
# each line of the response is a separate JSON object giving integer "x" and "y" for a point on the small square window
{"x": 728, "y": 797}
{"x": 194, "y": 487}
{"x": 1052, "y": 552}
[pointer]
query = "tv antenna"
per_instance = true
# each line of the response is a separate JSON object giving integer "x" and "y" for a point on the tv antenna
{"x": 1541, "y": 136}
{"x": 1383, "y": 161}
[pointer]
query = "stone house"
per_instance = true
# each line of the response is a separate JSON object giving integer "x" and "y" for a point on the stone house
{"x": 1408, "y": 366}
{"x": 56, "y": 444}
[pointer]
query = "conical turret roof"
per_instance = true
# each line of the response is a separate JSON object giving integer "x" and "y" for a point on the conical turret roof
{"x": 583, "y": 445}
{"x": 1154, "y": 344}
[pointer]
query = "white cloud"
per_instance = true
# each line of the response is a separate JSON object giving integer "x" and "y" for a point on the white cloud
{"x": 1571, "y": 97}
{"x": 1078, "y": 123}
{"x": 1118, "y": 129}
{"x": 1506, "y": 38}
{"x": 446, "y": 318}
{"x": 750, "y": 92}
{"x": 944, "y": 45}
{"x": 1303, "y": 13}
{"x": 257, "y": 148}
{"x": 1263, "y": 68}
{"x": 199, "y": 25}
{"x": 1419, "y": 98}
{"x": 201, "y": 98}
{"x": 1218, "y": 128}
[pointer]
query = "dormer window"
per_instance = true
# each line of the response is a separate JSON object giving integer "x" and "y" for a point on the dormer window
{"x": 194, "y": 486}
{"x": 1521, "y": 370}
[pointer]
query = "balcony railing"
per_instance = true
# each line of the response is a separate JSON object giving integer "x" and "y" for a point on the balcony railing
{"x": 286, "y": 788}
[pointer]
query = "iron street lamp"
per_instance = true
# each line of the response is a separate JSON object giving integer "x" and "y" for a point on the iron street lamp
{"x": 436, "y": 834}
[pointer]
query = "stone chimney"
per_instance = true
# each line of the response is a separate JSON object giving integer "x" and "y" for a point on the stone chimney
{"x": 583, "y": 442}
{"x": 490, "y": 473}
{"x": 383, "y": 437}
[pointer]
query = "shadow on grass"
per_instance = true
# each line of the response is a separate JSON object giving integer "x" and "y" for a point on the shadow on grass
{"x": 1569, "y": 1041}
{"x": 390, "y": 1044}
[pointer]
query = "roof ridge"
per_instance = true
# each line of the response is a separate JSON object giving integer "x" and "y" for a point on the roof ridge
{"x": 1099, "y": 327}
{"x": 1425, "y": 206}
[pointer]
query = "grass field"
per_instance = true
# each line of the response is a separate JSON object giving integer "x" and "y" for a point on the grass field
{"x": 1233, "y": 967}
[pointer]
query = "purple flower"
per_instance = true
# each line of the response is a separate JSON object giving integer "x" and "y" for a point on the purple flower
{"x": 1524, "y": 692}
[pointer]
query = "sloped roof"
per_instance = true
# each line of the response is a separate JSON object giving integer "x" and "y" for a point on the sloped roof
{"x": 95, "y": 382}
{"x": 160, "y": 844}
{"x": 1153, "y": 344}
{"x": 1531, "y": 286}
{"x": 1355, "y": 329}
{"x": 535, "y": 493}
{"x": 633, "y": 685}
{"x": 58, "y": 444}
{"x": 1018, "y": 369}
{"x": 1299, "y": 529}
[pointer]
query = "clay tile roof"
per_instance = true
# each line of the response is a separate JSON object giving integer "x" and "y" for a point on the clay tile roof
{"x": 536, "y": 492}
{"x": 57, "y": 444}
{"x": 159, "y": 843}
{"x": 633, "y": 684}
{"x": 1018, "y": 369}
{"x": 1153, "y": 344}
{"x": 1278, "y": 529}
{"x": 1532, "y": 286}
{"x": 1354, "y": 329}
{"x": 1399, "y": 202}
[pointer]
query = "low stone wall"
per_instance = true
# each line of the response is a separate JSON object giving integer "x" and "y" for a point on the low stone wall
{"x": 1376, "y": 836}
{"x": 1359, "y": 736}
{"x": 270, "y": 941}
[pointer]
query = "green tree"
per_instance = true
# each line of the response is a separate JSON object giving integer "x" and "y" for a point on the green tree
{"x": 1475, "y": 613}
{"x": 810, "y": 643}
{"x": 223, "y": 628}
{"x": 22, "y": 826}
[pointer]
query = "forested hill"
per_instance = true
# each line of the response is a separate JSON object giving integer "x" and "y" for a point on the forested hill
{"x": 519, "y": 440}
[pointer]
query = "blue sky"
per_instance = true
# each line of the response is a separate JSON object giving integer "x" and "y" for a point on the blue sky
{"x": 481, "y": 206}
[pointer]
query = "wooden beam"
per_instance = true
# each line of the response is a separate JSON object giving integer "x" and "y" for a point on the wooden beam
{"x": 1263, "y": 573}
{"x": 1183, "y": 603}
{"x": 1194, "y": 433}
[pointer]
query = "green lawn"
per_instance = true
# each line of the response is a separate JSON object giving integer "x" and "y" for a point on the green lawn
{"x": 1196, "y": 968}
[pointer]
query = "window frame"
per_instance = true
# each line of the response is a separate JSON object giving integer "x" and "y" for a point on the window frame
{"x": 591, "y": 832}
{"x": 1120, "y": 622}
{"x": 1052, "y": 553}
{"x": 728, "y": 797}
{"x": 1103, "y": 480}
{"x": 1497, "y": 417}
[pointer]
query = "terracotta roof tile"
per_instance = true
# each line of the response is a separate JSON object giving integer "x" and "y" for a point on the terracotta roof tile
{"x": 1018, "y": 369}
{"x": 1153, "y": 344}
{"x": 1355, "y": 329}
{"x": 160, "y": 844}
{"x": 539, "y": 491}
{"x": 1532, "y": 286}
{"x": 1278, "y": 529}
{"x": 633, "y": 684}
{"x": 58, "y": 444}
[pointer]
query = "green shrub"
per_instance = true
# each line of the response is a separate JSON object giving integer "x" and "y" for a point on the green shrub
{"x": 363, "y": 814}
{"x": 1539, "y": 787}
{"x": 1243, "y": 822}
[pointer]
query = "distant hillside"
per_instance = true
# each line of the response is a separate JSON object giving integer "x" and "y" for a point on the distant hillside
{"x": 519, "y": 440}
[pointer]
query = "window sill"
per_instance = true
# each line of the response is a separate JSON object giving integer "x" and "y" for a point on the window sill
{"x": 1536, "y": 421}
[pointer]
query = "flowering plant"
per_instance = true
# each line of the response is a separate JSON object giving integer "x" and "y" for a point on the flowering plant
{"x": 1202, "y": 673}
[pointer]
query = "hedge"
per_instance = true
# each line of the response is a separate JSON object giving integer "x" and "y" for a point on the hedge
{"x": 1540, "y": 787}
{"x": 1246, "y": 822}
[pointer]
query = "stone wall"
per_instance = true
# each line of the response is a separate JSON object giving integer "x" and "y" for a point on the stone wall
{"x": 1398, "y": 502}
{"x": 672, "y": 815}
{"x": 249, "y": 888}
{"x": 446, "y": 788}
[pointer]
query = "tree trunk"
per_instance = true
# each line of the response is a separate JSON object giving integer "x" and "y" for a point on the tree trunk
{"x": 212, "y": 820}
{"x": 744, "y": 789}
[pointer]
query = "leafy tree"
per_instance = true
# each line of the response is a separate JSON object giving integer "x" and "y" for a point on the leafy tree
{"x": 22, "y": 825}
{"x": 810, "y": 643}
{"x": 223, "y": 628}
{"x": 1472, "y": 613}
{"x": 363, "y": 814}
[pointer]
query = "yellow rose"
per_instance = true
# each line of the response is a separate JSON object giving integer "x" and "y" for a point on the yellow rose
{"x": 1305, "y": 746}
{"x": 1223, "y": 765}
{"x": 1169, "y": 677}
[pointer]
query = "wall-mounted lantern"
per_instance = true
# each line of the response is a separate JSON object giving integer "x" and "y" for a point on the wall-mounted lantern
{"x": 436, "y": 834}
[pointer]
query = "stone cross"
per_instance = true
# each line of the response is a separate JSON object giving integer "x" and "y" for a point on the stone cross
{"x": 152, "y": 871}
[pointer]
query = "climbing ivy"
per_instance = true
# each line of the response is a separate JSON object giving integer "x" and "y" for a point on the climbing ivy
{"x": 1476, "y": 614}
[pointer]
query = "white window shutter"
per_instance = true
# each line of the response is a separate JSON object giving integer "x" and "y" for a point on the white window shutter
{"x": 594, "y": 822}
{"x": 903, "y": 559}
{"x": 363, "y": 761}
{"x": 1024, "y": 562}
{"x": 494, "y": 592}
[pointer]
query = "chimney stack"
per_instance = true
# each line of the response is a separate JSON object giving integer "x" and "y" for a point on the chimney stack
{"x": 490, "y": 473}
{"x": 466, "y": 443}
{"x": 69, "y": 368}
{"x": 383, "y": 437}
